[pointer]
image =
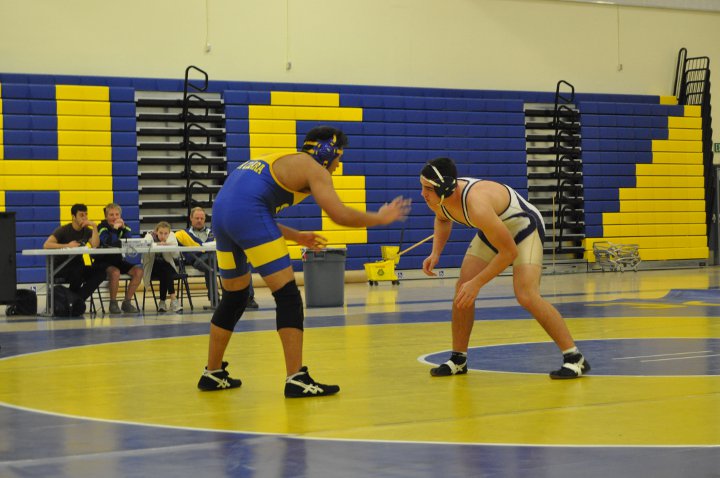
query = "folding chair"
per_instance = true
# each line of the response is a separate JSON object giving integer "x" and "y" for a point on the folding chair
{"x": 104, "y": 285}
{"x": 182, "y": 287}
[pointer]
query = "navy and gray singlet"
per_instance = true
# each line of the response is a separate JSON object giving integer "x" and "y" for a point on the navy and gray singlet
{"x": 520, "y": 217}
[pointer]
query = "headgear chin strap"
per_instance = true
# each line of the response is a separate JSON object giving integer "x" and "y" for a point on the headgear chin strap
{"x": 324, "y": 150}
{"x": 444, "y": 185}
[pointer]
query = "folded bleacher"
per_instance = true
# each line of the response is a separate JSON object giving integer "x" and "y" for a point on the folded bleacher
{"x": 64, "y": 144}
{"x": 644, "y": 179}
{"x": 391, "y": 138}
{"x": 70, "y": 139}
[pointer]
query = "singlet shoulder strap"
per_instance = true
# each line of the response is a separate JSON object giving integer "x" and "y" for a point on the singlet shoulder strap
{"x": 466, "y": 191}
{"x": 463, "y": 201}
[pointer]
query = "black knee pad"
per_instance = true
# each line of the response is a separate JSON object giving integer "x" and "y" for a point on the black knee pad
{"x": 289, "y": 307}
{"x": 230, "y": 308}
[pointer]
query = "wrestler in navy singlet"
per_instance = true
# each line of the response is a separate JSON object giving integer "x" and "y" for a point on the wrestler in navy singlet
{"x": 520, "y": 217}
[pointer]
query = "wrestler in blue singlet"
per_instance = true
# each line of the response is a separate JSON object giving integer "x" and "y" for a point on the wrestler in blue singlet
{"x": 243, "y": 219}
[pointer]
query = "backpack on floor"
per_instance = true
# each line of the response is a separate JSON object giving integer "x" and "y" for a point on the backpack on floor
{"x": 25, "y": 303}
{"x": 67, "y": 303}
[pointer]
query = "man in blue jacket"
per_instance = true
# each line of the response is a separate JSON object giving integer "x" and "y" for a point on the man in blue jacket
{"x": 111, "y": 231}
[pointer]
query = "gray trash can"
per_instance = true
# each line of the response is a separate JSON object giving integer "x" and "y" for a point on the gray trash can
{"x": 324, "y": 274}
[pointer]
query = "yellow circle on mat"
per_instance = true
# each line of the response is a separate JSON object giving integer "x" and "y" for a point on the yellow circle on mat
{"x": 386, "y": 394}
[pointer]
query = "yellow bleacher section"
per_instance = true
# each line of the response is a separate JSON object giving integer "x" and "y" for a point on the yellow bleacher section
{"x": 273, "y": 128}
{"x": 665, "y": 213}
{"x": 84, "y": 161}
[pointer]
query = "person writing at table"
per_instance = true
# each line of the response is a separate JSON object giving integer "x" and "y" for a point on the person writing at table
{"x": 81, "y": 279}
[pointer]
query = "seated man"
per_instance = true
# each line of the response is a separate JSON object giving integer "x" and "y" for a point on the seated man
{"x": 82, "y": 279}
{"x": 197, "y": 235}
{"x": 111, "y": 231}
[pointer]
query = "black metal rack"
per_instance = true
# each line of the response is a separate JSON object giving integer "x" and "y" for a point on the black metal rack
{"x": 182, "y": 149}
{"x": 692, "y": 87}
{"x": 195, "y": 150}
{"x": 556, "y": 182}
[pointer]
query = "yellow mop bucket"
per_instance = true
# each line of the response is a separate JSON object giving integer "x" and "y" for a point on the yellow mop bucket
{"x": 381, "y": 271}
{"x": 390, "y": 253}
{"x": 384, "y": 270}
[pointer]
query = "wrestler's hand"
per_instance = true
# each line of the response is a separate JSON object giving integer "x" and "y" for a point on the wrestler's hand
{"x": 466, "y": 294}
{"x": 429, "y": 264}
{"x": 311, "y": 240}
{"x": 397, "y": 210}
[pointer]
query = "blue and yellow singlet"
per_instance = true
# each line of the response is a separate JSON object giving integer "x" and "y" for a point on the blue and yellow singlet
{"x": 243, "y": 219}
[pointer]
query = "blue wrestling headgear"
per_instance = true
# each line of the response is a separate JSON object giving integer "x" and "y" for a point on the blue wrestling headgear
{"x": 444, "y": 186}
{"x": 323, "y": 150}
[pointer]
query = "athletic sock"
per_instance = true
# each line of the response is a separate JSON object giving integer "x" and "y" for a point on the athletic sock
{"x": 458, "y": 358}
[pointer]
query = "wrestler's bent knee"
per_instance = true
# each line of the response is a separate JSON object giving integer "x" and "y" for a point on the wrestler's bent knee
{"x": 289, "y": 310}
{"x": 230, "y": 308}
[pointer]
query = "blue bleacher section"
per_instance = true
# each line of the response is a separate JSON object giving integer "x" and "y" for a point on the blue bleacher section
{"x": 615, "y": 138}
{"x": 124, "y": 85}
{"x": 81, "y": 138}
{"x": 397, "y": 135}
{"x": 399, "y": 129}
{"x": 643, "y": 179}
